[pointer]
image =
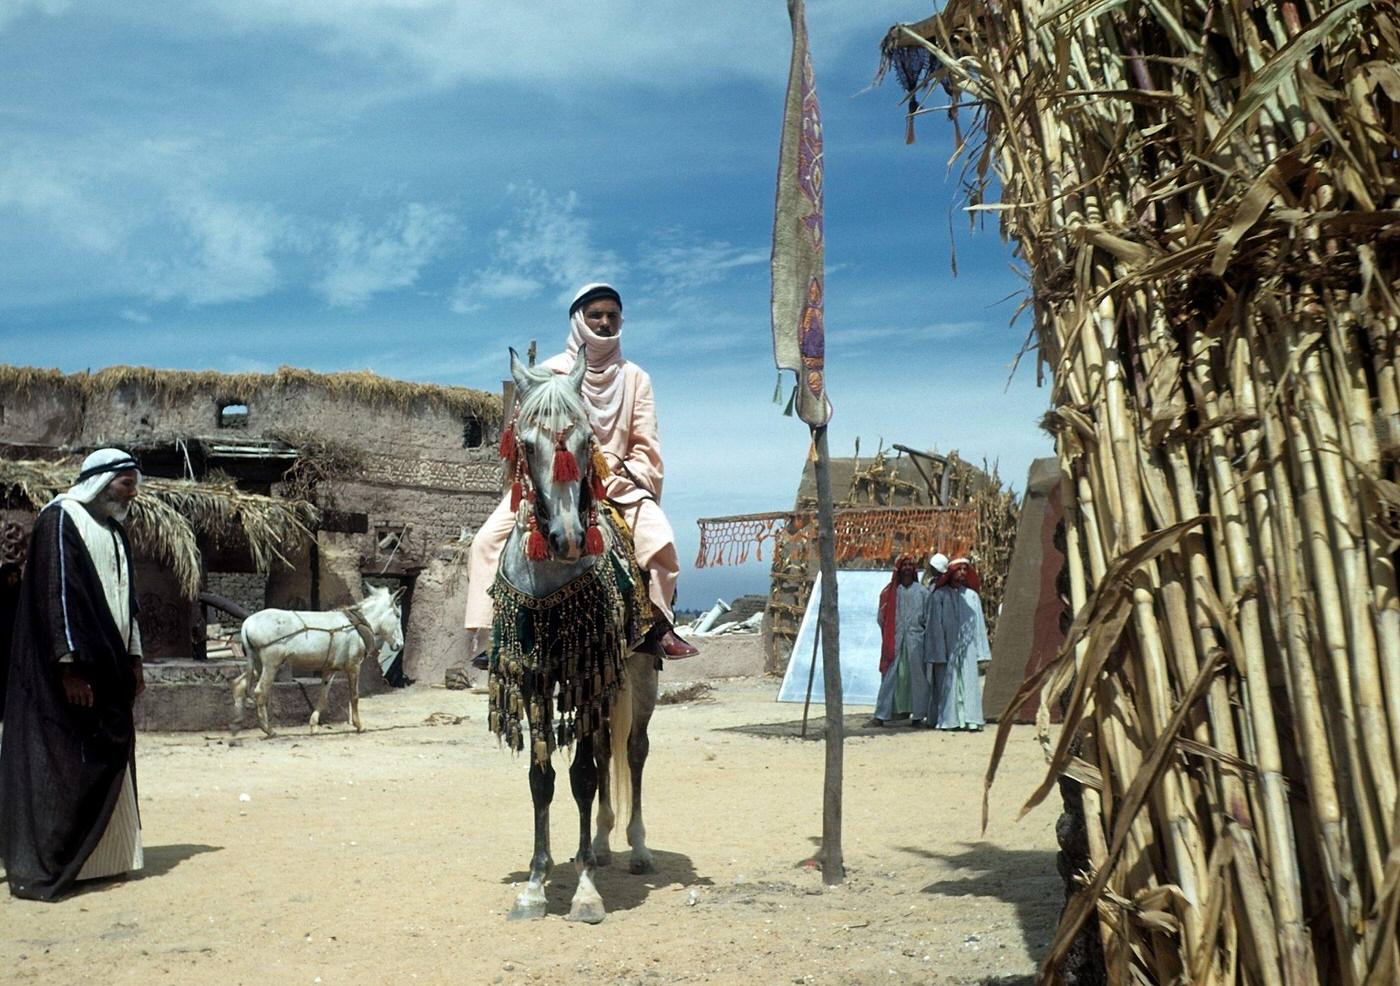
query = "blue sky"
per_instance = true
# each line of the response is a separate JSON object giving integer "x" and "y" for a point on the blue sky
{"x": 410, "y": 186}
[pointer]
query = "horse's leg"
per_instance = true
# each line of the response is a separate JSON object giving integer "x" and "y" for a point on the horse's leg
{"x": 326, "y": 675}
{"x": 240, "y": 689}
{"x": 602, "y": 849}
{"x": 587, "y": 906}
{"x": 352, "y": 680}
{"x": 642, "y": 675}
{"x": 262, "y": 691}
{"x": 531, "y": 902}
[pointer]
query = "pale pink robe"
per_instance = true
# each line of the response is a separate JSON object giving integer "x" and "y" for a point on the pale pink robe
{"x": 633, "y": 450}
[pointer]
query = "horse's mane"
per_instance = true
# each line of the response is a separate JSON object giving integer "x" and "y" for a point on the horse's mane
{"x": 551, "y": 399}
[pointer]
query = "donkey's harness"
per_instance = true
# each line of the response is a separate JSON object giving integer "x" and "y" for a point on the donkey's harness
{"x": 354, "y": 620}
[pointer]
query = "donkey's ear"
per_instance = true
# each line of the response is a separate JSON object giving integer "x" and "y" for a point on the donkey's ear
{"x": 576, "y": 374}
{"x": 523, "y": 383}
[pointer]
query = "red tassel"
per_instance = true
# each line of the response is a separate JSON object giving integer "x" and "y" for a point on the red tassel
{"x": 517, "y": 493}
{"x": 600, "y": 492}
{"x": 565, "y": 465}
{"x": 535, "y": 548}
{"x": 593, "y": 540}
{"x": 508, "y": 444}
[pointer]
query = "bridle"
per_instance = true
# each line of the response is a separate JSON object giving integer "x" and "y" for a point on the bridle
{"x": 566, "y": 470}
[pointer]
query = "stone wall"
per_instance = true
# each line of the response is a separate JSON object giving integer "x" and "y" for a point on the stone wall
{"x": 247, "y": 589}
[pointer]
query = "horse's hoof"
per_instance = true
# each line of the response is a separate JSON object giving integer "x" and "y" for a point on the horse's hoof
{"x": 589, "y": 912}
{"x": 532, "y": 911}
{"x": 641, "y": 863}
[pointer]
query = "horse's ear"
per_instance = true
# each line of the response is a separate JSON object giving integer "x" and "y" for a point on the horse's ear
{"x": 576, "y": 374}
{"x": 523, "y": 383}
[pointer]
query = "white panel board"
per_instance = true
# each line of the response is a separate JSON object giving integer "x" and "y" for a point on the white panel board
{"x": 859, "y": 596}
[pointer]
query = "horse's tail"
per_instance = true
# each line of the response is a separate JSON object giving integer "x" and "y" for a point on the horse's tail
{"x": 619, "y": 733}
{"x": 249, "y": 677}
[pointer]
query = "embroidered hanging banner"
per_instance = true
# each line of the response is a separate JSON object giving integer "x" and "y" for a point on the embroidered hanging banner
{"x": 799, "y": 342}
{"x": 881, "y": 534}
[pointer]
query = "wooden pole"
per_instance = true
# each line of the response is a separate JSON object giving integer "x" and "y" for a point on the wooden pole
{"x": 833, "y": 865}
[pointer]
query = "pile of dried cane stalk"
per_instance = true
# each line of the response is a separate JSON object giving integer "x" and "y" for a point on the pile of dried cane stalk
{"x": 1206, "y": 195}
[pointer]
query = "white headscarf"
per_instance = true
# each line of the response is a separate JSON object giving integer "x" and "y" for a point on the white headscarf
{"x": 603, "y": 384}
{"x": 99, "y": 469}
{"x": 939, "y": 563}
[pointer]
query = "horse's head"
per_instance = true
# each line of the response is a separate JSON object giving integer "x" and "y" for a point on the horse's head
{"x": 553, "y": 457}
{"x": 381, "y": 611}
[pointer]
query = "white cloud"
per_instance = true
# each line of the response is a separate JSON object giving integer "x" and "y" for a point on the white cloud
{"x": 224, "y": 253}
{"x": 58, "y": 195}
{"x": 685, "y": 266}
{"x": 134, "y": 316}
{"x": 667, "y": 44}
{"x": 13, "y": 10}
{"x": 492, "y": 285}
{"x": 365, "y": 262}
{"x": 547, "y": 243}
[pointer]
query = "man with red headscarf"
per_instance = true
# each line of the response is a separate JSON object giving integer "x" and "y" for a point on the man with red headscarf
{"x": 902, "y": 681}
{"x": 622, "y": 411}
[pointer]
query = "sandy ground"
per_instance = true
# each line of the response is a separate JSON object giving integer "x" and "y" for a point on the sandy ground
{"x": 393, "y": 856}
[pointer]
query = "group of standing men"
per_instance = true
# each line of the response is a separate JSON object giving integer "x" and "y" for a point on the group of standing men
{"x": 933, "y": 642}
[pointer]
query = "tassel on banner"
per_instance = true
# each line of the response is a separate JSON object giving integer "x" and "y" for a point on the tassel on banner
{"x": 778, "y": 390}
{"x": 792, "y": 402}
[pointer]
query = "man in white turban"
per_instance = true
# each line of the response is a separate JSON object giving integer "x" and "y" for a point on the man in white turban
{"x": 67, "y": 759}
{"x": 955, "y": 643}
{"x": 622, "y": 411}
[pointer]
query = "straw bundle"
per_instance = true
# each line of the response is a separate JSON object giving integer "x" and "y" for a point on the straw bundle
{"x": 171, "y": 386}
{"x": 169, "y": 516}
{"x": 1207, "y": 197}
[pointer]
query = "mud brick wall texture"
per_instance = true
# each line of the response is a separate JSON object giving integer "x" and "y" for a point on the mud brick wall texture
{"x": 430, "y": 473}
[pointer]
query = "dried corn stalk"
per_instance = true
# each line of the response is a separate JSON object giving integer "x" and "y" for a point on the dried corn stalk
{"x": 1207, "y": 198}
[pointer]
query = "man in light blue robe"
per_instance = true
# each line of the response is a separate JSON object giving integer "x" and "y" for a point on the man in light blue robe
{"x": 955, "y": 643}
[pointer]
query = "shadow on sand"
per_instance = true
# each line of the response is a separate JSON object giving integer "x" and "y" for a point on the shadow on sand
{"x": 620, "y": 890}
{"x": 855, "y": 725}
{"x": 158, "y": 861}
{"x": 1025, "y": 878}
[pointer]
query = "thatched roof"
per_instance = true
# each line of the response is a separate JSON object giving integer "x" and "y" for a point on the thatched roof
{"x": 172, "y": 386}
{"x": 170, "y": 513}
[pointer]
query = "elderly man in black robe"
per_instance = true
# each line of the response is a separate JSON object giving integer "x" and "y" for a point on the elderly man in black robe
{"x": 67, "y": 756}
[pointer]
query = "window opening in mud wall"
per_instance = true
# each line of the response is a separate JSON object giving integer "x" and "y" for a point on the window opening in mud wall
{"x": 473, "y": 432}
{"x": 233, "y": 415}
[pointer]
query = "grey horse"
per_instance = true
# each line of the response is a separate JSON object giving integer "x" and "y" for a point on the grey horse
{"x": 551, "y": 420}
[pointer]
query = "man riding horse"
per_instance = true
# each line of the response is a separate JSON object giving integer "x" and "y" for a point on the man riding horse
{"x": 622, "y": 412}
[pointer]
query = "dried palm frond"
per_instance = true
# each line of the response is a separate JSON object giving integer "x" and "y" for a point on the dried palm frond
{"x": 170, "y": 514}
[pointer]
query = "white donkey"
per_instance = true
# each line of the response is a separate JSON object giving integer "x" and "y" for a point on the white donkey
{"x": 319, "y": 642}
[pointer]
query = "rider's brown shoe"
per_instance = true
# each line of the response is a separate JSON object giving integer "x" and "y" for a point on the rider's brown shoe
{"x": 674, "y": 647}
